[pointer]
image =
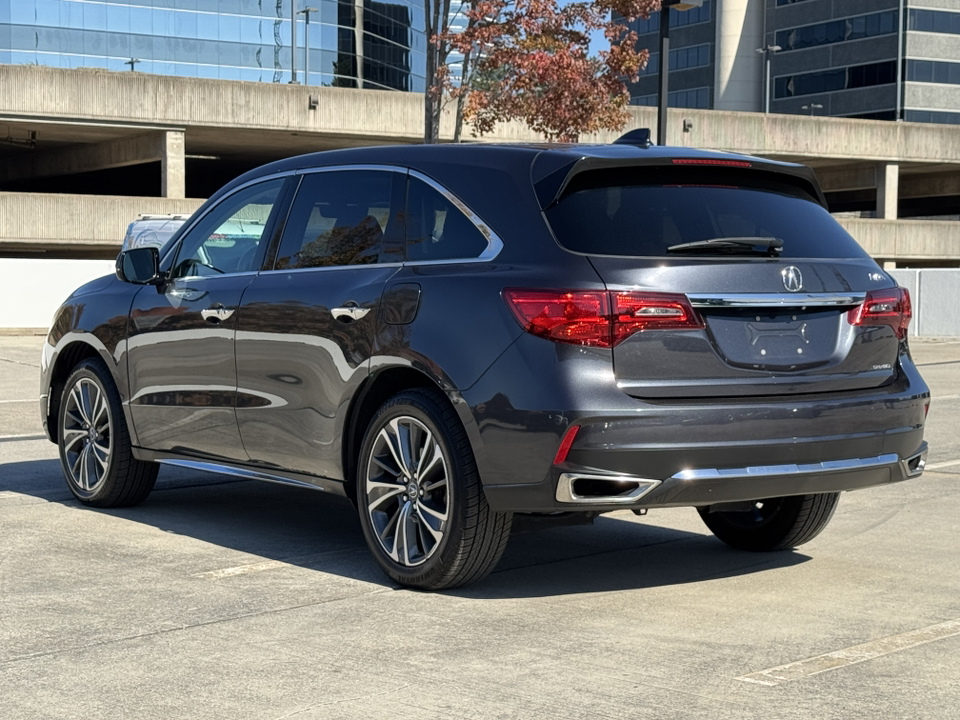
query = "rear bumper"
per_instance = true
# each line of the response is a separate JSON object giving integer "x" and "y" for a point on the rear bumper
{"x": 582, "y": 489}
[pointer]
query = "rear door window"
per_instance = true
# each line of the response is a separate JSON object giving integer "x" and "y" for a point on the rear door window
{"x": 343, "y": 217}
{"x": 645, "y": 211}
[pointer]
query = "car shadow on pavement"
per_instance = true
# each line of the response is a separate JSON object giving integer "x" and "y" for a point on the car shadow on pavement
{"x": 319, "y": 531}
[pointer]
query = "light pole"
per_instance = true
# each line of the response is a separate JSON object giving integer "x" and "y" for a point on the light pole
{"x": 664, "y": 71}
{"x": 811, "y": 107}
{"x": 293, "y": 42}
{"x": 767, "y": 51}
{"x": 306, "y": 42}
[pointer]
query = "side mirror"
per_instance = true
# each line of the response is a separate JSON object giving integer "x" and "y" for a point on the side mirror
{"x": 140, "y": 266}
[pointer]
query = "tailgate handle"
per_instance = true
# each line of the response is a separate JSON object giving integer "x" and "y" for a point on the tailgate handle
{"x": 777, "y": 300}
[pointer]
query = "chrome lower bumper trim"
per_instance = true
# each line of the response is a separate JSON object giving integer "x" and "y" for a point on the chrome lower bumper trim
{"x": 732, "y": 483}
{"x": 828, "y": 466}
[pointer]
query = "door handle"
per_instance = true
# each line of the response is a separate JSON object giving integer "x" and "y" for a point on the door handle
{"x": 349, "y": 312}
{"x": 216, "y": 313}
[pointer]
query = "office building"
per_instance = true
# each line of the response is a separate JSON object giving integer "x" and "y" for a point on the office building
{"x": 850, "y": 58}
{"x": 353, "y": 43}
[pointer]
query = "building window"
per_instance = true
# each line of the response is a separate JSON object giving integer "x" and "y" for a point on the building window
{"x": 932, "y": 116}
{"x": 936, "y": 21}
{"x": 677, "y": 19}
{"x": 682, "y": 59}
{"x": 853, "y": 28}
{"x": 877, "y": 115}
{"x": 788, "y": 2}
{"x": 933, "y": 71}
{"x": 698, "y": 98}
{"x": 848, "y": 78}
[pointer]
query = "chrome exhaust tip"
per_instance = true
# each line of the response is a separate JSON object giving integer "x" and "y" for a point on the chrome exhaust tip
{"x": 602, "y": 489}
{"x": 913, "y": 465}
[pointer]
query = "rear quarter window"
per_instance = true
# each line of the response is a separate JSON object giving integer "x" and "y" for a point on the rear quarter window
{"x": 644, "y": 211}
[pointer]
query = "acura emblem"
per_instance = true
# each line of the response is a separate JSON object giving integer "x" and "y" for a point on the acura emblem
{"x": 792, "y": 279}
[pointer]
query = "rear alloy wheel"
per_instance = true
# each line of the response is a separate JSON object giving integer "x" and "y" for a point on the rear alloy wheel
{"x": 95, "y": 453}
{"x": 421, "y": 505}
{"x": 773, "y": 524}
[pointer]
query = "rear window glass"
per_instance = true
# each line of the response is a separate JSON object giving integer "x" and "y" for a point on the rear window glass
{"x": 644, "y": 211}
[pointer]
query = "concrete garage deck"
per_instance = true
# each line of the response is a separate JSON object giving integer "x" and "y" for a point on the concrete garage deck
{"x": 227, "y": 599}
{"x": 186, "y": 131}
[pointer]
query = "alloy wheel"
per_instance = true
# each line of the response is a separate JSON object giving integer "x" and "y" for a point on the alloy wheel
{"x": 407, "y": 491}
{"x": 86, "y": 435}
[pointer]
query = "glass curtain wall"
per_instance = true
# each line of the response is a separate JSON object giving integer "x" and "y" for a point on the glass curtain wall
{"x": 237, "y": 40}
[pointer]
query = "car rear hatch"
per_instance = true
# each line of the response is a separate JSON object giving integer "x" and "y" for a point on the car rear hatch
{"x": 730, "y": 280}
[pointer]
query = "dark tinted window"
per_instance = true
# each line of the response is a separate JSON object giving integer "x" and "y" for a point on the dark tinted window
{"x": 437, "y": 229}
{"x": 228, "y": 238}
{"x": 340, "y": 218}
{"x": 643, "y": 211}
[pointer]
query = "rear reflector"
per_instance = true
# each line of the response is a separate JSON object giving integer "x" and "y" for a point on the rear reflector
{"x": 884, "y": 307}
{"x": 565, "y": 444}
{"x": 598, "y": 318}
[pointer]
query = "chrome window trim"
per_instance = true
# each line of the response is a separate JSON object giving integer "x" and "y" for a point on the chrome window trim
{"x": 826, "y": 466}
{"x": 777, "y": 299}
{"x": 323, "y": 268}
{"x": 184, "y": 278}
{"x": 494, "y": 243}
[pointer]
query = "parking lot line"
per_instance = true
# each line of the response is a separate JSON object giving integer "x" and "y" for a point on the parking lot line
{"x": 300, "y": 561}
{"x": 853, "y": 655}
{"x": 937, "y": 466}
{"x": 14, "y": 438}
{"x": 11, "y": 402}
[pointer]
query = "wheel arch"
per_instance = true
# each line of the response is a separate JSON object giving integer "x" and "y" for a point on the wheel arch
{"x": 376, "y": 390}
{"x": 70, "y": 354}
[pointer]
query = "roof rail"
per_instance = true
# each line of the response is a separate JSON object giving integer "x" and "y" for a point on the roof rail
{"x": 639, "y": 137}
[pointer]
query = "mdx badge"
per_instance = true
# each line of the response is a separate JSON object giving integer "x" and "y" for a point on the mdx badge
{"x": 792, "y": 279}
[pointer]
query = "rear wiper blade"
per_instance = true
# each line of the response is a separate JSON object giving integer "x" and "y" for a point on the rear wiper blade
{"x": 769, "y": 245}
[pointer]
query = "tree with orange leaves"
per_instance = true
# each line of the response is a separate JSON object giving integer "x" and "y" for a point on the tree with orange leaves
{"x": 529, "y": 60}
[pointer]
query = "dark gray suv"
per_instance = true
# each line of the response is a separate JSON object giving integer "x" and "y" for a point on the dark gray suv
{"x": 452, "y": 334}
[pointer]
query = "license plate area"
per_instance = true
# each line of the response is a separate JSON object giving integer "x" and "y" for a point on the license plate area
{"x": 776, "y": 339}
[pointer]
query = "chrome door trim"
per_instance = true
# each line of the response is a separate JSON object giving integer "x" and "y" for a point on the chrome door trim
{"x": 777, "y": 299}
{"x": 318, "y": 483}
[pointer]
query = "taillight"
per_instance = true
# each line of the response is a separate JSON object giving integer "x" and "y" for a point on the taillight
{"x": 597, "y": 318}
{"x": 885, "y": 307}
{"x": 634, "y": 312}
{"x": 582, "y": 318}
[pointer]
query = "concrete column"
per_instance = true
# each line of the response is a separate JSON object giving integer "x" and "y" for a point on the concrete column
{"x": 888, "y": 181}
{"x": 739, "y": 67}
{"x": 173, "y": 165}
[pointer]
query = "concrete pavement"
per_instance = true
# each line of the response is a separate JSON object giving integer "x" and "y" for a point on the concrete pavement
{"x": 219, "y": 598}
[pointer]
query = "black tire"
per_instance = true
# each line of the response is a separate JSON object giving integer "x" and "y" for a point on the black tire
{"x": 773, "y": 524}
{"x": 429, "y": 553}
{"x": 95, "y": 453}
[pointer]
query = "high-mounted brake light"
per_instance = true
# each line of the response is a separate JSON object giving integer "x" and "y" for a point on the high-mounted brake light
{"x": 598, "y": 318}
{"x": 884, "y": 307}
{"x": 712, "y": 161}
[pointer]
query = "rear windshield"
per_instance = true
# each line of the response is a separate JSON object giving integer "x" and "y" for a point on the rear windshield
{"x": 647, "y": 210}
